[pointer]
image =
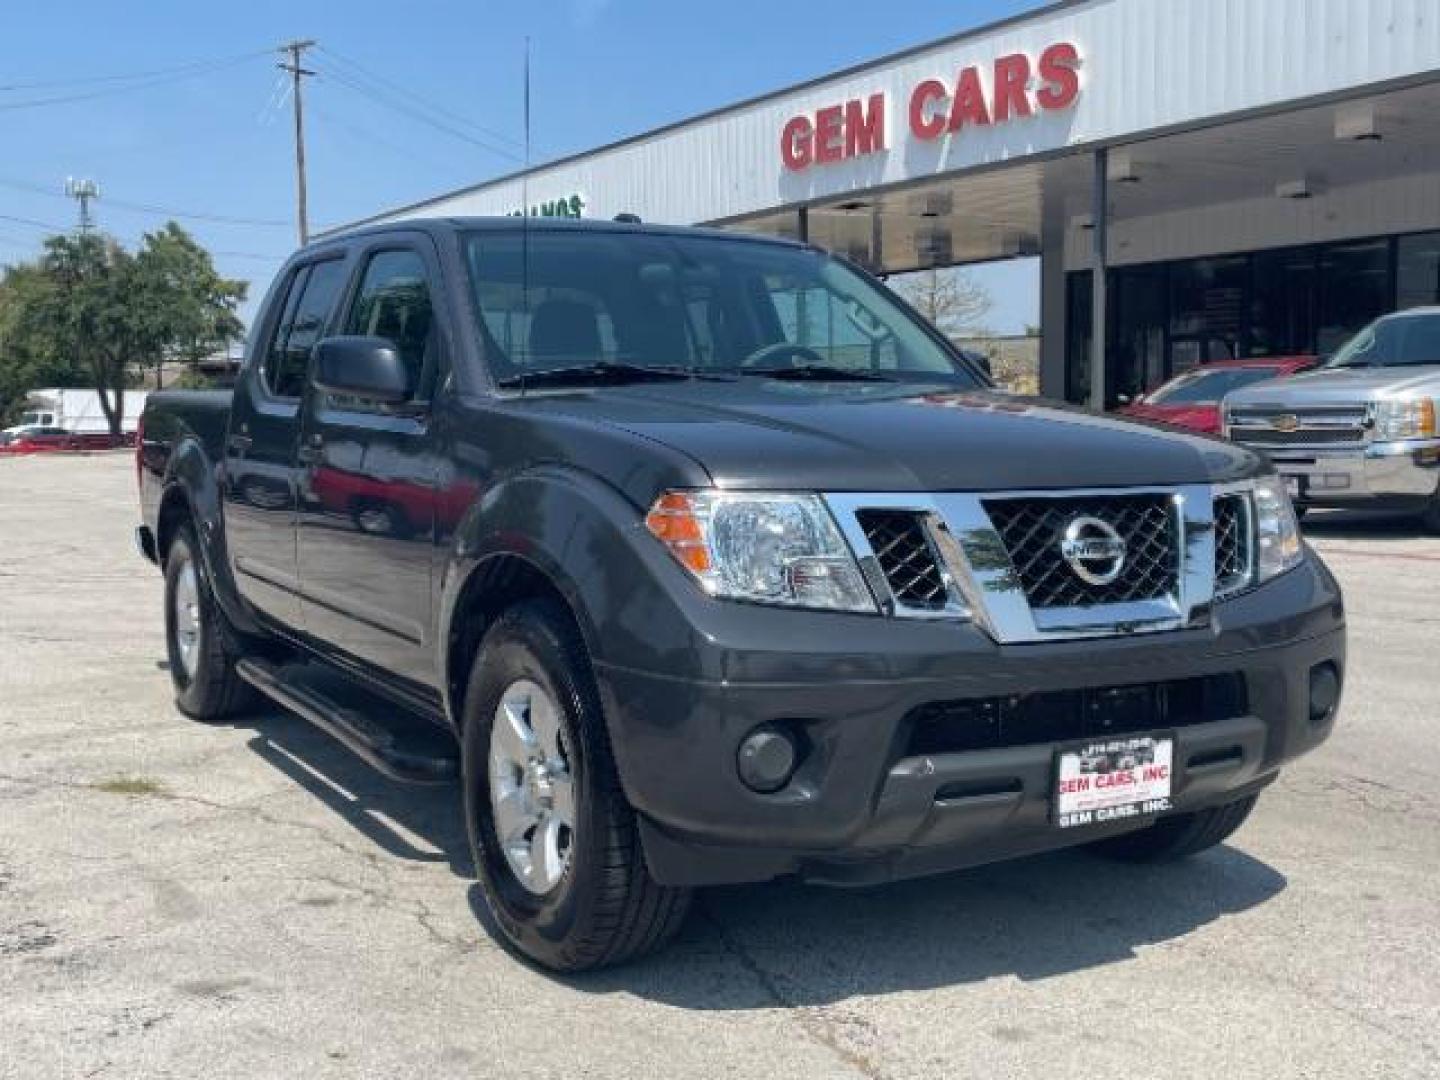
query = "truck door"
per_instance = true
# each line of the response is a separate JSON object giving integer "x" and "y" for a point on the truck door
{"x": 260, "y": 450}
{"x": 369, "y": 476}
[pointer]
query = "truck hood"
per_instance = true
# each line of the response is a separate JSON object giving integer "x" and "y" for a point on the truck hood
{"x": 755, "y": 434}
{"x": 1343, "y": 386}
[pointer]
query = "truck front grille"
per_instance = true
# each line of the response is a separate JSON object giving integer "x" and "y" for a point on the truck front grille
{"x": 902, "y": 547}
{"x": 1305, "y": 437}
{"x": 1033, "y": 528}
{"x": 1321, "y": 426}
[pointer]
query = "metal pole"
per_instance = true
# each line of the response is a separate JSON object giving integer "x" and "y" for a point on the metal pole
{"x": 804, "y": 215}
{"x": 1099, "y": 275}
{"x": 296, "y": 49}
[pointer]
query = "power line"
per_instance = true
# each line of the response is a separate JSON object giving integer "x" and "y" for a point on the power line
{"x": 391, "y": 102}
{"x": 45, "y": 225}
{"x": 90, "y": 80}
{"x": 362, "y": 71}
{"x": 149, "y": 208}
{"x": 188, "y": 73}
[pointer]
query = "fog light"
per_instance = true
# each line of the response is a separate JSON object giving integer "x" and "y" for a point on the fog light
{"x": 766, "y": 759}
{"x": 1324, "y": 692}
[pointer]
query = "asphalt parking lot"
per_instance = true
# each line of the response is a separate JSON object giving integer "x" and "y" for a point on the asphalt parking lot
{"x": 247, "y": 900}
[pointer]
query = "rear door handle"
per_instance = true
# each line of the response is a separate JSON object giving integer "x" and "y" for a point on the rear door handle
{"x": 238, "y": 444}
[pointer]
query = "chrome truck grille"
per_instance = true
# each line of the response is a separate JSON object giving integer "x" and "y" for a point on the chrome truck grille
{"x": 1276, "y": 428}
{"x": 1046, "y": 566}
{"x": 1033, "y": 532}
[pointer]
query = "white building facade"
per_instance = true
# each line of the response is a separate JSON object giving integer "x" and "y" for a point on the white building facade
{"x": 1248, "y": 177}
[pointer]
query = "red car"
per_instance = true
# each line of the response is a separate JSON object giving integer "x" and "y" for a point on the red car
{"x": 42, "y": 440}
{"x": 1192, "y": 400}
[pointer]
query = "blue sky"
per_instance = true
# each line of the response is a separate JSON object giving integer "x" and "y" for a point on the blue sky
{"x": 214, "y": 140}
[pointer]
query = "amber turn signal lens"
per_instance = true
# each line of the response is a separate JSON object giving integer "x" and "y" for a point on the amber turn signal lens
{"x": 1427, "y": 417}
{"x": 672, "y": 520}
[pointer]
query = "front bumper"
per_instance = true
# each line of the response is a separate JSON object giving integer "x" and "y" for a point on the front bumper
{"x": 864, "y": 807}
{"x": 1402, "y": 474}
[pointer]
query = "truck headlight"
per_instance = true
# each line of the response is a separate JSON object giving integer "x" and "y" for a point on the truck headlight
{"x": 1412, "y": 419}
{"x": 1277, "y": 532}
{"x": 764, "y": 547}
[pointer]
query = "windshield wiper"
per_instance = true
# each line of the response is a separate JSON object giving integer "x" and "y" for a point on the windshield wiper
{"x": 817, "y": 373}
{"x": 601, "y": 371}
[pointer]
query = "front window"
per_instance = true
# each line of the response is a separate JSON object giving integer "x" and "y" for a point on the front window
{"x": 1208, "y": 387}
{"x": 702, "y": 304}
{"x": 1395, "y": 341}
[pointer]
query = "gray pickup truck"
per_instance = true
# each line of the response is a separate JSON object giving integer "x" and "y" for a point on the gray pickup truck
{"x": 1360, "y": 431}
{"x": 698, "y": 558}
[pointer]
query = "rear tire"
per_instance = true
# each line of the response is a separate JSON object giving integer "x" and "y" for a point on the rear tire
{"x": 1178, "y": 836}
{"x": 594, "y": 903}
{"x": 202, "y": 647}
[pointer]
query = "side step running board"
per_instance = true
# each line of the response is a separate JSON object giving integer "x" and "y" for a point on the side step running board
{"x": 411, "y": 751}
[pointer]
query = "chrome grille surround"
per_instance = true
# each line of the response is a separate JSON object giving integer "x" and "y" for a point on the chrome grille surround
{"x": 1321, "y": 426}
{"x": 982, "y": 583}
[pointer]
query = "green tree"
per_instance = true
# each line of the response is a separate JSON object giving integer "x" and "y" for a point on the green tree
{"x": 187, "y": 308}
{"x": 23, "y": 367}
{"x": 90, "y": 307}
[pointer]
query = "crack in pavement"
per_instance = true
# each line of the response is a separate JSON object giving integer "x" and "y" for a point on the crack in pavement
{"x": 815, "y": 1021}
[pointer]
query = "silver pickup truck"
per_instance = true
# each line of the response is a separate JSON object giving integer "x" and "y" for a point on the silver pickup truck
{"x": 1359, "y": 431}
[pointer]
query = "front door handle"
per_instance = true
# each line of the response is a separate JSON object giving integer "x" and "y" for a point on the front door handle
{"x": 238, "y": 444}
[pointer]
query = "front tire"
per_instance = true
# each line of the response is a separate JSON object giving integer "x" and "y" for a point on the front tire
{"x": 1179, "y": 836}
{"x": 553, "y": 838}
{"x": 202, "y": 647}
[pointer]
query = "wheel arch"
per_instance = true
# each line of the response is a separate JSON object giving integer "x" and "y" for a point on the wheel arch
{"x": 191, "y": 492}
{"x": 493, "y": 586}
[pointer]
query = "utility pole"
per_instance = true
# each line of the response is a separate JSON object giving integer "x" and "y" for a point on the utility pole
{"x": 82, "y": 191}
{"x": 295, "y": 51}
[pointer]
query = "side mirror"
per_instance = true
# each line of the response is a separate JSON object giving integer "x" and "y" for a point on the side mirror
{"x": 363, "y": 367}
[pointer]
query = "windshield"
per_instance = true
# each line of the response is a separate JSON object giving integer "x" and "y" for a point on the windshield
{"x": 1394, "y": 341}
{"x": 694, "y": 303}
{"x": 1208, "y": 387}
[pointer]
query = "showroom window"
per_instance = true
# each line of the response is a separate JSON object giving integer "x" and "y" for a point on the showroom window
{"x": 1417, "y": 271}
{"x": 1355, "y": 289}
{"x": 1166, "y": 318}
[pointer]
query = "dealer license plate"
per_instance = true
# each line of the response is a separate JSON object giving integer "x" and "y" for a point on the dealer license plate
{"x": 1112, "y": 779}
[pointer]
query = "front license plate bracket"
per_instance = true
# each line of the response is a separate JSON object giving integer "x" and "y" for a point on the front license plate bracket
{"x": 1102, "y": 780}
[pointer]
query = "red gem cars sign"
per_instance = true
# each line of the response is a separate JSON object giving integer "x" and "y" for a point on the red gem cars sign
{"x": 1018, "y": 87}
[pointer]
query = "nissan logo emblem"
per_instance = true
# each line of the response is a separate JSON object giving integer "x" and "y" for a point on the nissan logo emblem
{"x": 1094, "y": 550}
